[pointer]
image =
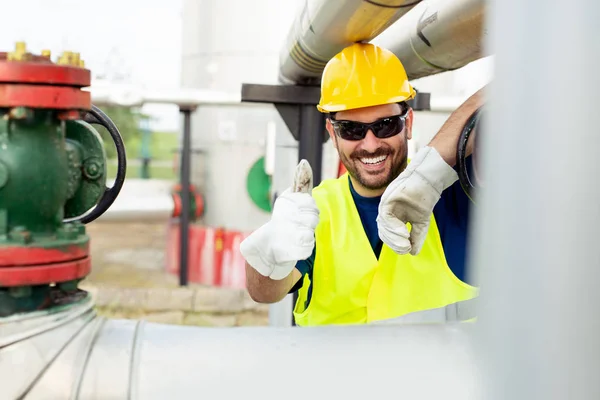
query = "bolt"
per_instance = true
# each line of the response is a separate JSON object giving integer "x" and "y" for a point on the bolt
{"x": 93, "y": 169}
{"x": 46, "y": 54}
{"x": 65, "y": 58}
{"x": 20, "y": 234}
{"x": 20, "y": 53}
{"x": 80, "y": 227}
{"x": 70, "y": 58}
{"x": 20, "y": 113}
{"x": 20, "y": 47}
{"x": 67, "y": 232}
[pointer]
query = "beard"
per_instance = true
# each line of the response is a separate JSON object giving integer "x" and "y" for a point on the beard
{"x": 377, "y": 180}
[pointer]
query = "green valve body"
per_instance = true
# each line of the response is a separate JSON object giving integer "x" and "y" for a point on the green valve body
{"x": 52, "y": 172}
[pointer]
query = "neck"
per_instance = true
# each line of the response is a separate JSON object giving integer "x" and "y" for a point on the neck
{"x": 365, "y": 192}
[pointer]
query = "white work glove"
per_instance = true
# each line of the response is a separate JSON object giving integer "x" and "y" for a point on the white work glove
{"x": 274, "y": 249}
{"x": 410, "y": 198}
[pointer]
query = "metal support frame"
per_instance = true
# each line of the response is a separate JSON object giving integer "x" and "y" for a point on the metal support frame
{"x": 185, "y": 177}
{"x": 297, "y": 107}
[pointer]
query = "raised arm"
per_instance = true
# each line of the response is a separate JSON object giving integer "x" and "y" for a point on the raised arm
{"x": 445, "y": 141}
{"x": 272, "y": 251}
{"x": 411, "y": 197}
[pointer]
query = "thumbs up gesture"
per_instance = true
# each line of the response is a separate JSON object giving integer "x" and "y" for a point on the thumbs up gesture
{"x": 410, "y": 198}
{"x": 275, "y": 248}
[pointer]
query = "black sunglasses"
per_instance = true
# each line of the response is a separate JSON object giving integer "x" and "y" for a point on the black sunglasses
{"x": 382, "y": 128}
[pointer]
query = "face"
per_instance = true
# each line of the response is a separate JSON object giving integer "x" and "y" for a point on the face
{"x": 372, "y": 162}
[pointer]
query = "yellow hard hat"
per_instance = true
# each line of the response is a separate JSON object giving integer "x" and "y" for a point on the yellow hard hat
{"x": 363, "y": 75}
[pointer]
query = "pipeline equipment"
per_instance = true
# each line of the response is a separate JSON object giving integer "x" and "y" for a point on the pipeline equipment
{"x": 50, "y": 327}
{"x": 437, "y": 36}
{"x": 470, "y": 130}
{"x": 52, "y": 177}
{"x": 74, "y": 354}
{"x": 324, "y": 28}
{"x": 428, "y": 37}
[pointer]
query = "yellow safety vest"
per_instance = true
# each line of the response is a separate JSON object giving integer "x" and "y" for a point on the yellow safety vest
{"x": 351, "y": 286}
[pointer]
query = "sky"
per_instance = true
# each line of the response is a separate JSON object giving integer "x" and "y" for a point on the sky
{"x": 140, "y": 39}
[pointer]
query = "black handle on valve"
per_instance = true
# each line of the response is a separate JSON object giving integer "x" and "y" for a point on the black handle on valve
{"x": 97, "y": 116}
{"x": 461, "y": 154}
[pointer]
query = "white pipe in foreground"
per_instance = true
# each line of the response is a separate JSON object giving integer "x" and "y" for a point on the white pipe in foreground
{"x": 71, "y": 353}
{"x": 324, "y": 28}
{"x": 538, "y": 215}
{"x": 437, "y": 36}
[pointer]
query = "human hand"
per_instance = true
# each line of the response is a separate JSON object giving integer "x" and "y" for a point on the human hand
{"x": 410, "y": 198}
{"x": 274, "y": 249}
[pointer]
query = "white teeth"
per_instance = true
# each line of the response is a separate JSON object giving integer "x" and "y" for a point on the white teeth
{"x": 375, "y": 160}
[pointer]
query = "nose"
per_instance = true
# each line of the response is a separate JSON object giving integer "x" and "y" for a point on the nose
{"x": 370, "y": 143}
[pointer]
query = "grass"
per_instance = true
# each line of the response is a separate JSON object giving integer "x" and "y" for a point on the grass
{"x": 162, "y": 149}
{"x": 162, "y": 146}
{"x": 134, "y": 171}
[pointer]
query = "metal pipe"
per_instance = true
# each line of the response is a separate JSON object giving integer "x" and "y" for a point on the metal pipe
{"x": 437, "y": 36}
{"x": 135, "y": 96}
{"x": 323, "y": 28}
{"x": 184, "y": 218}
{"x": 71, "y": 353}
{"x": 142, "y": 203}
{"x": 539, "y": 321}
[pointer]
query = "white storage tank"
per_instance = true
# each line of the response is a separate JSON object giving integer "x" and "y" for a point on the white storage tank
{"x": 226, "y": 43}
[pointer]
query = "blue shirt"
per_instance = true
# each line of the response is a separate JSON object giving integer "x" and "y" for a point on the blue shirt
{"x": 452, "y": 218}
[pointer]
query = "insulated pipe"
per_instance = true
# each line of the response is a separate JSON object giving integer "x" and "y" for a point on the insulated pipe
{"x": 537, "y": 217}
{"x": 324, "y": 28}
{"x": 437, "y": 36}
{"x": 150, "y": 200}
{"x": 71, "y": 353}
{"x": 135, "y": 96}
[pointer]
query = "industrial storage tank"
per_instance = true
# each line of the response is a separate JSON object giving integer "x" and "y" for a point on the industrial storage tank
{"x": 226, "y": 43}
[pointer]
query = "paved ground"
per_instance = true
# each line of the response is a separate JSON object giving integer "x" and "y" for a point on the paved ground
{"x": 129, "y": 280}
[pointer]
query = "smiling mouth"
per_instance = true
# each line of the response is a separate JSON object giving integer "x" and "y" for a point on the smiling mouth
{"x": 373, "y": 160}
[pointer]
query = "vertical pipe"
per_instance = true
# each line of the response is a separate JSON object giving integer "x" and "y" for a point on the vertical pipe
{"x": 145, "y": 148}
{"x": 184, "y": 219}
{"x": 310, "y": 148}
{"x": 310, "y": 139}
{"x": 537, "y": 219}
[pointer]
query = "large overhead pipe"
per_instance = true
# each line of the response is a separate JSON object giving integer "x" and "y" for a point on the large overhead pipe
{"x": 324, "y": 28}
{"x": 437, "y": 36}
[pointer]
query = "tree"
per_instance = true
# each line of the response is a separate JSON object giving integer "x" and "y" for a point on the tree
{"x": 127, "y": 121}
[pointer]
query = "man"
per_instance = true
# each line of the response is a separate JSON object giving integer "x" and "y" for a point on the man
{"x": 346, "y": 247}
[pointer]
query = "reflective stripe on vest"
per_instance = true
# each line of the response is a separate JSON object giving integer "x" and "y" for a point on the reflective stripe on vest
{"x": 350, "y": 285}
{"x": 456, "y": 312}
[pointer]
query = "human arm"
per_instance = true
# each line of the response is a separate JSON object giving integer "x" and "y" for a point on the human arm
{"x": 272, "y": 251}
{"x": 446, "y": 140}
{"x": 263, "y": 289}
{"x": 411, "y": 197}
